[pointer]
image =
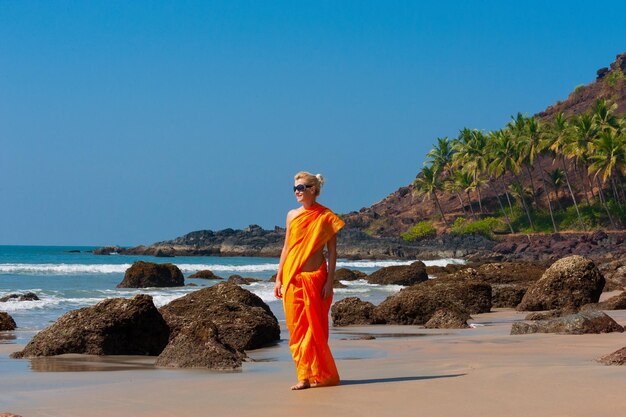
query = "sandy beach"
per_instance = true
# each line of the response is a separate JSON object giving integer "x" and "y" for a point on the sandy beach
{"x": 405, "y": 370}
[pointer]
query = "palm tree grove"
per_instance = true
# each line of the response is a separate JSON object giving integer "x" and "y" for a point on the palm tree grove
{"x": 561, "y": 174}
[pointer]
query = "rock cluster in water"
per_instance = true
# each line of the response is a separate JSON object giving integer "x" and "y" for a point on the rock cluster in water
{"x": 209, "y": 328}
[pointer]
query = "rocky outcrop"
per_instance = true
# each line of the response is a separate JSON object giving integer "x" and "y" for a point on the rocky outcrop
{"x": 614, "y": 272}
{"x": 550, "y": 247}
{"x": 6, "y": 322}
{"x": 584, "y": 322}
{"x": 116, "y": 326}
{"x": 148, "y": 274}
{"x": 400, "y": 274}
{"x": 197, "y": 345}
{"x": 28, "y": 296}
{"x": 507, "y": 295}
{"x": 616, "y": 358}
{"x": 448, "y": 318}
{"x": 569, "y": 283}
{"x": 239, "y": 280}
{"x": 352, "y": 311}
{"x": 418, "y": 303}
{"x": 107, "y": 250}
{"x": 345, "y": 274}
{"x": 243, "y": 321}
{"x": 617, "y": 302}
{"x": 205, "y": 274}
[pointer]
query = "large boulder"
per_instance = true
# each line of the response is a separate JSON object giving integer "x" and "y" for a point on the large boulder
{"x": 117, "y": 326}
{"x": 27, "y": 296}
{"x": 6, "y": 322}
{"x": 149, "y": 274}
{"x": 197, "y": 345}
{"x": 584, "y": 322}
{"x": 242, "y": 319}
{"x": 448, "y": 318}
{"x": 417, "y": 304}
{"x": 351, "y": 311}
{"x": 569, "y": 283}
{"x": 400, "y": 274}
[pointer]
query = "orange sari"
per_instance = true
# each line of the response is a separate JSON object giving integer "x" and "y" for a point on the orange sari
{"x": 305, "y": 310}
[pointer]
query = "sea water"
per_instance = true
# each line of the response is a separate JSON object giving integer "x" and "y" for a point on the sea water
{"x": 68, "y": 278}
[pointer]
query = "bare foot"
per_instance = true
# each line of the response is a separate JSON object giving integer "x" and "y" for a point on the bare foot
{"x": 301, "y": 385}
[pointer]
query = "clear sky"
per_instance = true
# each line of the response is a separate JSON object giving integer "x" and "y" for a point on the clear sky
{"x": 130, "y": 122}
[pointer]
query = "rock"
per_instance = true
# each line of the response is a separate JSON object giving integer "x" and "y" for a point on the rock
{"x": 448, "y": 318}
{"x": 507, "y": 295}
{"x": 584, "y": 322}
{"x": 242, "y": 319}
{"x": 117, "y": 326}
{"x": 29, "y": 296}
{"x": 400, "y": 274}
{"x": 569, "y": 283}
{"x": 617, "y": 302}
{"x": 509, "y": 272}
{"x": 345, "y": 274}
{"x": 598, "y": 236}
{"x": 164, "y": 253}
{"x": 204, "y": 274}
{"x": 237, "y": 279}
{"x": 616, "y": 358}
{"x": 436, "y": 270}
{"x": 417, "y": 304}
{"x": 547, "y": 315}
{"x": 107, "y": 250}
{"x": 197, "y": 345}
{"x": 148, "y": 274}
{"x": 6, "y": 322}
{"x": 614, "y": 273}
{"x": 351, "y": 311}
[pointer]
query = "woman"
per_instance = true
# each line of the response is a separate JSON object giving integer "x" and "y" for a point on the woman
{"x": 305, "y": 282}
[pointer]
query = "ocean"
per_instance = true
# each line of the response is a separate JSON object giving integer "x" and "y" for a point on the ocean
{"x": 66, "y": 278}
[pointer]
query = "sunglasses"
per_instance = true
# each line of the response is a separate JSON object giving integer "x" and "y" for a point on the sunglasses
{"x": 301, "y": 187}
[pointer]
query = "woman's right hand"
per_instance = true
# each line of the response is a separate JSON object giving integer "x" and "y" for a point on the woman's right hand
{"x": 278, "y": 288}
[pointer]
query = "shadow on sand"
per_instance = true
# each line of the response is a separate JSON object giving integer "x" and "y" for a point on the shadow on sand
{"x": 396, "y": 379}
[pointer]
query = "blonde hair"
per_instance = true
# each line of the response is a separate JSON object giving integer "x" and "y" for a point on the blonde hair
{"x": 309, "y": 179}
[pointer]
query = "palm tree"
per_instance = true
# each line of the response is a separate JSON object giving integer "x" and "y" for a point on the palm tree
{"x": 525, "y": 131}
{"x": 578, "y": 147}
{"x": 505, "y": 157}
{"x": 470, "y": 147}
{"x": 561, "y": 139}
{"x": 494, "y": 177}
{"x": 440, "y": 157}
{"x": 556, "y": 180}
{"x": 609, "y": 156}
{"x": 427, "y": 184}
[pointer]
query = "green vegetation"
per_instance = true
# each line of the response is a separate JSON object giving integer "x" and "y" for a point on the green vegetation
{"x": 485, "y": 227}
{"x": 419, "y": 231}
{"x": 583, "y": 188}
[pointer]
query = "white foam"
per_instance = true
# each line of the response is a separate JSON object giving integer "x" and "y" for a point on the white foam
{"x": 86, "y": 269}
{"x": 63, "y": 269}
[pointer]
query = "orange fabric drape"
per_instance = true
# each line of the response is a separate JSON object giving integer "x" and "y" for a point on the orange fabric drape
{"x": 305, "y": 310}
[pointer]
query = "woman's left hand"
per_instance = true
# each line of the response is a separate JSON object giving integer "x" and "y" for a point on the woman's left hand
{"x": 327, "y": 290}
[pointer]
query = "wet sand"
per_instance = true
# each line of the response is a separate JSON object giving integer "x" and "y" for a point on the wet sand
{"x": 404, "y": 371}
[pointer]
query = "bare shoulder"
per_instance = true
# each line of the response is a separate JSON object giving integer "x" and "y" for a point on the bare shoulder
{"x": 293, "y": 213}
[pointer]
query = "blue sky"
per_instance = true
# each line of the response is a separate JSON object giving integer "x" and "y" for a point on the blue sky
{"x": 133, "y": 122}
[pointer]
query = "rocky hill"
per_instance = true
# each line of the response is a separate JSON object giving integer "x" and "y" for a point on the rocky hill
{"x": 400, "y": 210}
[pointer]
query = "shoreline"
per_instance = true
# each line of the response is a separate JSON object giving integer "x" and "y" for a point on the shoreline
{"x": 404, "y": 370}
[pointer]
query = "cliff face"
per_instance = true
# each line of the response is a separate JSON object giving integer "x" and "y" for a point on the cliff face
{"x": 400, "y": 210}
